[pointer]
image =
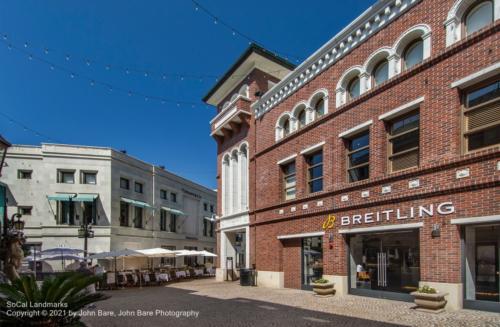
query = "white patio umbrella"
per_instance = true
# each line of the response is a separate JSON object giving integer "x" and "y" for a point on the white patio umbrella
{"x": 117, "y": 254}
{"x": 61, "y": 252}
{"x": 55, "y": 257}
{"x": 205, "y": 253}
{"x": 157, "y": 253}
{"x": 186, "y": 253}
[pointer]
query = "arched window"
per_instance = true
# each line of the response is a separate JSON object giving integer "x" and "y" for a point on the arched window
{"x": 301, "y": 118}
{"x": 319, "y": 108}
{"x": 354, "y": 88}
{"x": 478, "y": 17}
{"x": 414, "y": 53}
{"x": 381, "y": 72}
{"x": 286, "y": 127}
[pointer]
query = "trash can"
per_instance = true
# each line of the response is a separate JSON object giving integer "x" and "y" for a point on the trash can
{"x": 247, "y": 277}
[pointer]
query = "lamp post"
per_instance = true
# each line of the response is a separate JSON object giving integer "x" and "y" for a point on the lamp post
{"x": 85, "y": 231}
{"x": 4, "y": 144}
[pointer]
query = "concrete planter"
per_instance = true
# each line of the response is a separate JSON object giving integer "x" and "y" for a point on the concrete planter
{"x": 430, "y": 302}
{"x": 325, "y": 289}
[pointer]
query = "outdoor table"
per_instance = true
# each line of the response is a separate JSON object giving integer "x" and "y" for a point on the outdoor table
{"x": 198, "y": 272}
{"x": 163, "y": 277}
{"x": 181, "y": 273}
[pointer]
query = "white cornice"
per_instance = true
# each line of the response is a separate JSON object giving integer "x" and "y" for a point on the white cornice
{"x": 361, "y": 29}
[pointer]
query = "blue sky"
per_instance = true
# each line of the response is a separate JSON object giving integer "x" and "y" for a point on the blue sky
{"x": 157, "y": 36}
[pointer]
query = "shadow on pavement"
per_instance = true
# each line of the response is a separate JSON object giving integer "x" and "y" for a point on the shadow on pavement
{"x": 212, "y": 311}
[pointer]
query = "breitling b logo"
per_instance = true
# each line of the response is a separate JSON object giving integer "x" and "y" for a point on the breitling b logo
{"x": 329, "y": 222}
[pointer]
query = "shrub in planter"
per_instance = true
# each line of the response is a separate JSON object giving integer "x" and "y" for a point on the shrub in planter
{"x": 323, "y": 287}
{"x": 64, "y": 295}
{"x": 428, "y": 298}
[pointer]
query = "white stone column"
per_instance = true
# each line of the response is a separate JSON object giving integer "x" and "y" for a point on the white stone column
{"x": 310, "y": 114}
{"x": 340, "y": 96}
{"x": 453, "y": 31}
{"x": 427, "y": 45}
{"x": 365, "y": 82}
{"x": 243, "y": 164}
{"x": 234, "y": 195}
{"x": 247, "y": 247}
{"x": 394, "y": 65}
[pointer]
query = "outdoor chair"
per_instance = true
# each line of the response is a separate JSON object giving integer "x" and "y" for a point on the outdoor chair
{"x": 173, "y": 275}
{"x": 192, "y": 274}
{"x": 153, "y": 279}
{"x": 130, "y": 279}
{"x": 122, "y": 279}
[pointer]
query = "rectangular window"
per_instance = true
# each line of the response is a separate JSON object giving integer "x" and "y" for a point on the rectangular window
{"x": 315, "y": 172}
{"x": 211, "y": 229}
{"x": 481, "y": 112}
{"x": 212, "y": 208}
{"x": 205, "y": 206}
{"x": 138, "y": 187}
{"x": 358, "y": 157}
{"x": 138, "y": 217}
{"x": 163, "y": 220}
{"x": 25, "y": 211}
{"x": 404, "y": 137}
{"x": 24, "y": 174}
{"x": 163, "y": 194}
{"x": 205, "y": 227}
{"x": 124, "y": 214}
{"x": 124, "y": 183}
{"x": 89, "y": 177}
{"x": 289, "y": 181}
{"x": 169, "y": 261}
{"x": 173, "y": 197}
{"x": 173, "y": 223}
{"x": 66, "y": 212}
{"x": 66, "y": 177}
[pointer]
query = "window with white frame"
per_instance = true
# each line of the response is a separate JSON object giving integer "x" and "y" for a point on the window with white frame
{"x": 478, "y": 16}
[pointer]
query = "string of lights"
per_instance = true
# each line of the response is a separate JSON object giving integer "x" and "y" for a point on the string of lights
{"x": 236, "y": 32}
{"x": 28, "y": 129}
{"x": 127, "y": 70}
{"x": 95, "y": 82}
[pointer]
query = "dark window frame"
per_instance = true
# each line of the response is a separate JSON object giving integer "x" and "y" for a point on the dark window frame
{"x": 285, "y": 175}
{"x": 407, "y": 49}
{"x": 62, "y": 172}
{"x": 28, "y": 212}
{"x": 350, "y": 152}
{"x": 140, "y": 186}
{"x": 163, "y": 194}
{"x": 463, "y": 23}
{"x": 163, "y": 220}
{"x": 390, "y": 138}
{"x": 124, "y": 220}
{"x": 310, "y": 167}
{"x": 83, "y": 175}
{"x": 465, "y": 109}
{"x": 126, "y": 181}
{"x": 138, "y": 221}
{"x": 21, "y": 174}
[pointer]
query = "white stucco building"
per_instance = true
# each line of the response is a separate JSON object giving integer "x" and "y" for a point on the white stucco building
{"x": 131, "y": 203}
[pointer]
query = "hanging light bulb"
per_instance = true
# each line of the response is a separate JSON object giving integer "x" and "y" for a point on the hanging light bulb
{"x": 5, "y": 36}
{"x": 9, "y": 46}
{"x": 25, "y": 44}
{"x": 30, "y": 57}
{"x": 87, "y": 62}
{"x": 92, "y": 83}
{"x": 127, "y": 71}
{"x": 52, "y": 67}
{"x": 110, "y": 89}
{"x": 216, "y": 20}
{"x": 234, "y": 33}
{"x": 164, "y": 76}
{"x": 72, "y": 75}
{"x": 68, "y": 57}
{"x": 145, "y": 74}
{"x": 46, "y": 51}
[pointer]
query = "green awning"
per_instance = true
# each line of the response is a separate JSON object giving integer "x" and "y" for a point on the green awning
{"x": 60, "y": 197}
{"x": 174, "y": 211}
{"x": 137, "y": 203}
{"x": 86, "y": 197}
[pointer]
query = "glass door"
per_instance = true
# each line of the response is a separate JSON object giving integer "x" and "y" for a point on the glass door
{"x": 385, "y": 264}
{"x": 482, "y": 267}
{"x": 312, "y": 260}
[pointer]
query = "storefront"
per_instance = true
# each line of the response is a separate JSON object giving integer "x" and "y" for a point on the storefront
{"x": 312, "y": 261}
{"x": 384, "y": 264}
{"x": 481, "y": 262}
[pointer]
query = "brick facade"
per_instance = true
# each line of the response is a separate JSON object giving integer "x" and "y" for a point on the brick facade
{"x": 440, "y": 157}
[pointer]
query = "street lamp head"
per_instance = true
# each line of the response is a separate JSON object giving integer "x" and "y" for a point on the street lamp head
{"x": 18, "y": 224}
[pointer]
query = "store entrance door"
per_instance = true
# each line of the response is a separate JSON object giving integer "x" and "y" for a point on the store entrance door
{"x": 312, "y": 261}
{"x": 385, "y": 265}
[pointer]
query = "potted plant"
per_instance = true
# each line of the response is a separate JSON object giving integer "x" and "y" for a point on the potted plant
{"x": 323, "y": 287}
{"x": 429, "y": 299}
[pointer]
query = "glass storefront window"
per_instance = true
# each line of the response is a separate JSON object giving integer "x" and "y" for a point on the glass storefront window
{"x": 312, "y": 260}
{"x": 482, "y": 263}
{"x": 385, "y": 261}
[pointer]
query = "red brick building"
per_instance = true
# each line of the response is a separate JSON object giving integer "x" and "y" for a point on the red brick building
{"x": 375, "y": 163}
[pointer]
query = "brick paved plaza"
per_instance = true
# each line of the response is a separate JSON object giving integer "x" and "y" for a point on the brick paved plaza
{"x": 228, "y": 304}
